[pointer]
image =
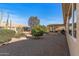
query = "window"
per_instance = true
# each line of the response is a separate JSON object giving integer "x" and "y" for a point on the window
{"x": 70, "y": 26}
{"x": 72, "y": 21}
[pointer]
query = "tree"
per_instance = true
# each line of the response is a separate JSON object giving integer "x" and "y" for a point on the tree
{"x": 33, "y": 21}
{"x": 10, "y": 24}
{"x": 1, "y": 16}
{"x": 7, "y": 21}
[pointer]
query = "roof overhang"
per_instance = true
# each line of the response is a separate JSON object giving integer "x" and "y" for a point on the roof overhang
{"x": 66, "y": 8}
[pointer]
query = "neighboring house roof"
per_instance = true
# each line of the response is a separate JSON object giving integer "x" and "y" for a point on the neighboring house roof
{"x": 55, "y": 25}
{"x": 66, "y": 8}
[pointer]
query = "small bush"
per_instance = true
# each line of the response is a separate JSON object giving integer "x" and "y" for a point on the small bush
{"x": 38, "y": 31}
{"x": 6, "y": 35}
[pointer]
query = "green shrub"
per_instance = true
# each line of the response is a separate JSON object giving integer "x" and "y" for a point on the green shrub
{"x": 44, "y": 28}
{"x": 38, "y": 31}
{"x": 6, "y": 35}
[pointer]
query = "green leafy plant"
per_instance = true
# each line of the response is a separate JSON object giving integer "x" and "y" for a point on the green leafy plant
{"x": 38, "y": 31}
{"x": 6, "y": 35}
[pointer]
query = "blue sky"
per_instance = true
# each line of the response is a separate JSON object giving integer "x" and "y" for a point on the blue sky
{"x": 48, "y": 13}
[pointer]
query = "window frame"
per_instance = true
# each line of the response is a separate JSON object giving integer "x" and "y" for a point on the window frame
{"x": 72, "y": 17}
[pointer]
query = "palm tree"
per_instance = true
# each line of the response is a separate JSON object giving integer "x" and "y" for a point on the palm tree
{"x": 7, "y": 22}
{"x": 10, "y": 24}
{"x": 1, "y": 16}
